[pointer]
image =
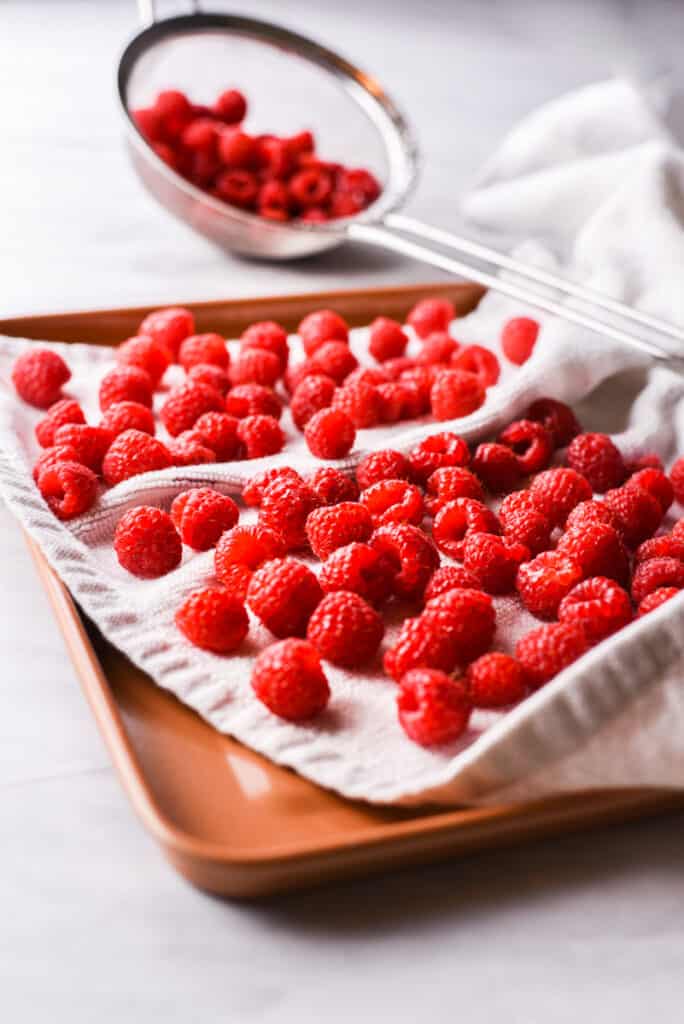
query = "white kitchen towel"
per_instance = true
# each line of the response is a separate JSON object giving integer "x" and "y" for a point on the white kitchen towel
{"x": 596, "y": 179}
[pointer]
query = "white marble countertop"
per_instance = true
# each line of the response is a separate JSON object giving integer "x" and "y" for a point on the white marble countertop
{"x": 95, "y": 926}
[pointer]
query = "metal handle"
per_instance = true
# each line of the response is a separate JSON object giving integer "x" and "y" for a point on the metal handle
{"x": 147, "y": 11}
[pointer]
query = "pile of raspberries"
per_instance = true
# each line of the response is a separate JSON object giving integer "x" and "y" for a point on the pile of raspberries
{"x": 440, "y": 529}
{"x": 278, "y": 178}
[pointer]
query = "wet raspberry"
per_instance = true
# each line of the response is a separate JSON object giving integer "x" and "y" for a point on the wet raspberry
{"x": 493, "y": 561}
{"x": 656, "y": 483}
{"x": 201, "y": 515}
{"x": 260, "y": 436}
{"x": 433, "y": 709}
{"x": 361, "y": 569}
{"x": 253, "y": 400}
{"x": 457, "y": 519}
{"x": 320, "y": 326}
{"x": 287, "y": 677}
{"x": 186, "y": 404}
{"x": 330, "y": 434}
{"x": 543, "y": 582}
{"x": 638, "y": 513}
{"x": 495, "y": 681}
{"x": 468, "y": 617}
{"x": 412, "y": 552}
{"x": 39, "y": 376}
{"x": 313, "y": 394}
{"x": 450, "y": 483}
{"x": 531, "y": 442}
{"x": 666, "y": 546}
{"x": 214, "y": 620}
{"x": 393, "y": 401}
{"x": 450, "y": 577}
{"x": 530, "y": 528}
{"x": 546, "y": 651}
{"x": 361, "y": 402}
{"x": 69, "y": 488}
{"x": 518, "y": 338}
{"x": 431, "y": 315}
{"x": 480, "y": 361}
{"x": 599, "y": 605}
{"x": 146, "y": 542}
{"x": 147, "y": 354}
{"x": 67, "y": 410}
{"x": 203, "y": 348}
{"x": 255, "y": 488}
{"x": 387, "y": 340}
{"x": 333, "y": 486}
{"x": 90, "y": 443}
{"x": 51, "y": 456}
{"x": 497, "y": 466}
{"x": 283, "y": 594}
{"x": 649, "y": 460}
{"x": 269, "y": 335}
{"x": 592, "y": 512}
{"x": 654, "y": 574}
{"x": 345, "y": 629}
{"x": 169, "y": 326}
{"x": 417, "y": 384}
{"x": 125, "y": 384}
{"x": 421, "y": 643}
{"x": 256, "y": 366}
{"x": 393, "y": 501}
{"x": 597, "y": 549}
{"x": 656, "y": 598}
{"x": 128, "y": 416}
{"x": 456, "y": 393}
{"x": 219, "y": 432}
{"x": 242, "y": 550}
{"x": 435, "y": 452}
{"x": 334, "y": 526}
{"x": 557, "y": 417}
{"x": 333, "y": 359}
{"x": 385, "y": 464}
{"x": 597, "y": 458}
{"x": 131, "y": 453}
{"x": 285, "y": 506}
{"x": 557, "y": 491}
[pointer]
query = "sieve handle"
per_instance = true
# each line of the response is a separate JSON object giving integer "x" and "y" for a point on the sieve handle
{"x": 147, "y": 11}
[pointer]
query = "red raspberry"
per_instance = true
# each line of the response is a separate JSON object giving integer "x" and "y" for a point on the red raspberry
{"x": 599, "y": 606}
{"x": 239, "y": 187}
{"x": 125, "y": 384}
{"x": 529, "y": 528}
{"x": 518, "y": 338}
{"x": 283, "y": 594}
{"x": 200, "y": 135}
{"x": 367, "y": 375}
{"x": 543, "y": 583}
{"x": 455, "y": 393}
{"x": 202, "y": 515}
{"x": 213, "y": 376}
{"x": 393, "y": 401}
{"x": 393, "y": 501}
{"x": 242, "y": 550}
{"x": 459, "y": 518}
{"x": 515, "y": 504}
{"x": 255, "y": 488}
{"x": 557, "y": 491}
{"x": 394, "y": 368}
{"x": 656, "y": 483}
{"x": 493, "y": 561}
{"x": 677, "y": 480}
{"x": 146, "y": 542}
{"x": 309, "y": 188}
{"x": 467, "y": 616}
{"x": 69, "y": 488}
{"x": 269, "y": 335}
{"x": 360, "y": 569}
{"x": 596, "y": 458}
{"x": 417, "y": 384}
{"x": 335, "y": 526}
{"x": 666, "y": 546}
{"x": 412, "y": 552}
{"x": 285, "y": 506}
{"x": 330, "y": 434}
{"x": 169, "y": 327}
{"x": 430, "y": 315}
{"x": 333, "y": 486}
{"x": 437, "y": 348}
{"x": 253, "y": 400}
{"x": 557, "y": 417}
{"x": 592, "y": 512}
{"x": 361, "y": 402}
{"x": 260, "y": 435}
{"x": 495, "y": 681}
{"x": 51, "y": 456}
{"x": 128, "y": 416}
{"x": 345, "y": 629}
{"x": 237, "y": 151}
{"x": 39, "y": 376}
{"x": 597, "y": 549}
{"x": 313, "y": 394}
{"x": 678, "y": 529}
{"x": 497, "y": 466}
{"x": 147, "y": 354}
{"x": 287, "y": 677}
{"x": 433, "y": 709}
{"x": 450, "y": 483}
{"x": 333, "y": 359}
{"x": 422, "y": 643}
{"x": 480, "y": 361}
{"x": 175, "y": 109}
{"x": 67, "y": 410}
{"x": 256, "y": 366}
{"x": 649, "y": 460}
{"x": 656, "y": 598}
{"x": 654, "y": 574}
{"x": 321, "y": 326}
{"x": 450, "y": 577}
{"x": 443, "y": 449}
{"x": 186, "y": 404}
{"x": 547, "y": 650}
{"x": 386, "y": 339}
{"x": 219, "y": 432}
{"x": 189, "y": 449}
{"x": 203, "y": 348}
{"x": 91, "y": 443}
{"x": 214, "y": 620}
{"x": 382, "y": 465}
{"x": 231, "y": 106}
{"x": 531, "y": 442}
{"x": 639, "y": 514}
{"x": 131, "y": 453}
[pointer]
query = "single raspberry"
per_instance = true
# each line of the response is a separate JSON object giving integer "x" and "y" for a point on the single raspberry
{"x": 543, "y": 582}
{"x": 212, "y": 376}
{"x": 382, "y": 465}
{"x": 345, "y": 629}
{"x": 529, "y": 528}
{"x": 450, "y": 483}
{"x": 360, "y": 569}
{"x": 394, "y": 368}
{"x": 421, "y": 643}
{"x": 394, "y": 397}
{"x": 313, "y": 394}
{"x": 592, "y": 512}
{"x": 237, "y": 151}
{"x": 283, "y": 594}
{"x": 260, "y": 436}
{"x": 295, "y": 374}
{"x": 557, "y": 417}
{"x": 310, "y": 187}
{"x": 497, "y": 466}
{"x": 656, "y": 598}
{"x": 334, "y": 526}
{"x": 547, "y": 650}
{"x": 393, "y": 501}
{"x": 455, "y": 393}
{"x": 515, "y": 504}
{"x": 128, "y": 416}
{"x": 437, "y": 348}
{"x": 493, "y": 561}
{"x": 467, "y": 616}
{"x": 203, "y": 348}
{"x": 599, "y": 605}
{"x": 495, "y": 681}
{"x": 255, "y": 488}
{"x": 67, "y": 410}
{"x": 330, "y": 434}
{"x": 639, "y": 514}
{"x": 598, "y": 550}
{"x": 256, "y": 366}
{"x": 39, "y": 376}
{"x": 333, "y": 486}
{"x": 253, "y": 400}
{"x": 450, "y": 577}
{"x": 333, "y": 359}
{"x": 320, "y": 326}
{"x": 242, "y": 550}
{"x": 91, "y": 443}
{"x": 268, "y": 335}
{"x": 51, "y": 456}
{"x": 531, "y": 442}
{"x": 412, "y": 552}
{"x": 430, "y": 315}
{"x": 649, "y": 460}
{"x": 214, "y": 620}
{"x": 386, "y": 339}
{"x": 667, "y": 546}
{"x": 125, "y": 384}
{"x": 367, "y": 375}
{"x": 287, "y": 677}
{"x": 147, "y": 354}
{"x": 656, "y": 483}
{"x": 361, "y": 402}
{"x": 654, "y": 574}
{"x": 457, "y": 519}
{"x": 219, "y": 432}
{"x": 433, "y": 709}
{"x": 131, "y": 453}
{"x": 557, "y": 491}
{"x": 169, "y": 327}
{"x": 596, "y": 458}
{"x": 146, "y": 542}
{"x": 518, "y": 338}
{"x": 417, "y": 384}
{"x": 189, "y": 449}
{"x": 677, "y": 480}
{"x": 480, "y": 361}
{"x": 436, "y": 451}
{"x": 200, "y": 135}
{"x": 186, "y": 403}
{"x": 69, "y": 488}
{"x": 175, "y": 110}
{"x": 285, "y": 506}
{"x": 201, "y": 515}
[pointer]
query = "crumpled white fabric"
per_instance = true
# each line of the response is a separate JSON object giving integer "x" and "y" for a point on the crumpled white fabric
{"x": 593, "y": 177}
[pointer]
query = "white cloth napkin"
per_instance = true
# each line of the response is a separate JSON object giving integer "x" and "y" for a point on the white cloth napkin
{"x": 595, "y": 178}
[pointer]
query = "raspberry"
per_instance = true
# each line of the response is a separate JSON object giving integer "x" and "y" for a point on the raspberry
{"x": 394, "y": 368}
{"x": 67, "y": 410}
{"x": 518, "y": 338}
{"x": 592, "y": 512}
{"x": 125, "y": 384}
{"x": 268, "y": 335}
{"x": 361, "y": 402}
{"x": 495, "y": 681}
{"x": 422, "y": 643}
{"x": 493, "y": 561}
{"x": 214, "y": 620}
{"x": 455, "y": 393}
{"x": 543, "y": 582}
{"x": 678, "y": 529}
{"x": 656, "y": 483}
{"x": 330, "y": 434}
{"x": 128, "y": 416}
{"x": 649, "y": 460}
{"x": 287, "y": 677}
{"x": 654, "y": 574}
{"x": 320, "y": 326}
{"x": 169, "y": 327}
{"x": 557, "y": 417}
{"x": 433, "y": 709}
{"x": 557, "y": 491}
{"x": 255, "y": 488}
{"x": 597, "y": 549}
{"x": 283, "y": 594}
{"x": 547, "y": 650}
{"x": 69, "y": 488}
{"x": 382, "y": 465}
{"x": 186, "y": 404}
{"x": 599, "y": 606}
{"x": 242, "y": 550}
{"x": 131, "y": 453}
{"x": 412, "y": 552}
{"x": 677, "y": 480}
{"x": 515, "y": 504}
{"x": 253, "y": 400}
{"x": 213, "y": 376}
{"x": 311, "y": 187}
{"x": 430, "y": 315}
{"x": 334, "y": 526}
{"x": 256, "y": 366}
{"x": 345, "y": 629}
{"x": 437, "y": 348}
{"x": 39, "y": 376}
{"x": 480, "y": 361}
{"x": 367, "y": 375}
{"x": 450, "y": 577}
{"x": 529, "y": 528}
{"x": 146, "y": 542}
{"x": 417, "y": 384}
{"x": 334, "y": 359}
{"x": 666, "y": 546}
{"x": 332, "y": 486}
{"x": 189, "y": 449}
{"x": 655, "y": 599}
{"x": 236, "y": 150}
{"x": 393, "y": 401}
{"x": 531, "y": 442}
{"x": 313, "y": 394}
{"x": 200, "y": 135}
{"x": 638, "y": 513}
{"x": 497, "y": 466}
{"x": 450, "y": 483}
{"x": 467, "y": 616}
{"x": 435, "y": 452}
{"x": 147, "y": 354}
{"x": 219, "y": 432}
{"x": 285, "y": 506}
{"x": 231, "y": 106}
{"x": 260, "y": 435}
{"x": 393, "y": 501}
{"x": 90, "y": 443}
{"x": 596, "y": 458}
{"x": 386, "y": 339}
{"x": 202, "y": 515}
{"x": 203, "y": 348}
{"x": 173, "y": 106}
{"x": 459, "y": 518}
{"x": 51, "y": 456}
{"x": 360, "y": 569}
